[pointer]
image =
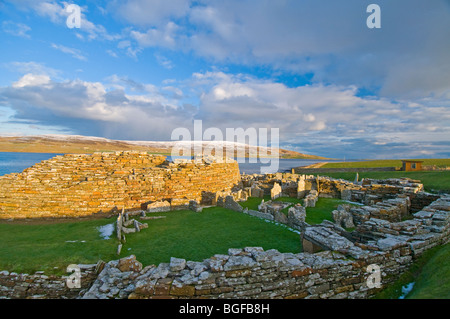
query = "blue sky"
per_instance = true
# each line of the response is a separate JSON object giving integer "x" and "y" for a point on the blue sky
{"x": 138, "y": 69}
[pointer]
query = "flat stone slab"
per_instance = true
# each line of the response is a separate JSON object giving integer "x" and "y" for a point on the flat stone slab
{"x": 326, "y": 238}
{"x": 423, "y": 214}
{"x": 177, "y": 264}
{"x": 391, "y": 242}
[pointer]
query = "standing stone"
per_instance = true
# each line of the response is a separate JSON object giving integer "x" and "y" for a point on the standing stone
{"x": 275, "y": 192}
{"x": 230, "y": 203}
{"x": 119, "y": 226}
{"x": 301, "y": 187}
{"x": 136, "y": 226}
{"x": 296, "y": 217}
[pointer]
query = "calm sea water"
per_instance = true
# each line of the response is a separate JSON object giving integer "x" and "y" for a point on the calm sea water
{"x": 17, "y": 162}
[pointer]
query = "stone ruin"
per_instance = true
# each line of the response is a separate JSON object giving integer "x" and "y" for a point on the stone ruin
{"x": 342, "y": 217}
{"x": 388, "y": 223}
{"x": 311, "y": 199}
{"x": 334, "y": 263}
{"x": 79, "y": 185}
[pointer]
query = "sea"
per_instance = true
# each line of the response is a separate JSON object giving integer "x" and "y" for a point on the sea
{"x": 11, "y": 162}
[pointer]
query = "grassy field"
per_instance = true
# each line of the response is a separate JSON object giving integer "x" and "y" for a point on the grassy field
{"x": 440, "y": 162}
{"x": 430, "y": 274}
{"x": 183, "y": 234}
{"x": 28, "y": 248}
{"x": 433, "y": 181}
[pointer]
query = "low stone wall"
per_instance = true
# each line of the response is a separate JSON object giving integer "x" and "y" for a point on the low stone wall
{"x": 81, "y": 185}
{"x": 253, "y": 273}
{"x": 435, "y": 168}
{"x": 393, "y": 210}
{"x": 41, "y": 286}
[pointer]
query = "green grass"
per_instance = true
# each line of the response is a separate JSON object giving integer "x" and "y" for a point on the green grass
{"x": 433, "y": 180}
{"x": 441, "y": 162}
{"x": 291, "y": 200}
{"x": 433, "y": 282}
{"x": 253, "y": 202}
{"x": 28, "y": 248}
{"x": 196, "y": 236}
{"x": 183, "y": 234}
{"x": 431, "y": 274}
{"x": 322, "y": 211}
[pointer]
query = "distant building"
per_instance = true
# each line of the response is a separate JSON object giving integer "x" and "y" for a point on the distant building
{"x": 411, "y": 165}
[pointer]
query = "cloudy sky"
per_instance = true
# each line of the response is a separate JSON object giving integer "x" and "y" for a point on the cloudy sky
{"x": 138, "y": 69}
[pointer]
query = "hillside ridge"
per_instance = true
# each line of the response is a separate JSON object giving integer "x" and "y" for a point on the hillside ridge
{"x": 54, "y": 143}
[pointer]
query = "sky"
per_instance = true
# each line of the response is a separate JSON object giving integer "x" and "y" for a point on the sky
{"x": 138, "y": 69}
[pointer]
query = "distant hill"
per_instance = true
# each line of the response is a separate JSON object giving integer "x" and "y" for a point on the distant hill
{"x": 88, "y": 144}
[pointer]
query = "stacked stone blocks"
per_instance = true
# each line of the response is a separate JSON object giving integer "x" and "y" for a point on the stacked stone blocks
{"x": 82, "y": 185}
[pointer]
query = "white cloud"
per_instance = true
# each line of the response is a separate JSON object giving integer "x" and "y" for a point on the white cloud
{"x": 140, "y": 114}
{"x": 151, "y": 12}
{"x": 161, "y": 37}
{"x": 32, "y": 80}
{"x": 75, "y": 53}
{"x": 97, "y": 31}
{"x": 16, "y": 29}
{"x": 55, "y": 11}
{"x": 332, "y": 116}
{"x": 407, "y": 57}
{"x": 32, "y": 67}
{"x": 112, "y": 53}
{"x": 164, "y": 62}
{"x": 50, "y": 9}
{"x": 319, "y": 118}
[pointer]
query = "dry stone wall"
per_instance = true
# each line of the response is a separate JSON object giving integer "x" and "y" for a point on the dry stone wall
{"x": 42, "y": 286}
{"x": 81, "y": 185}
{"x": 253, "y": 273}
